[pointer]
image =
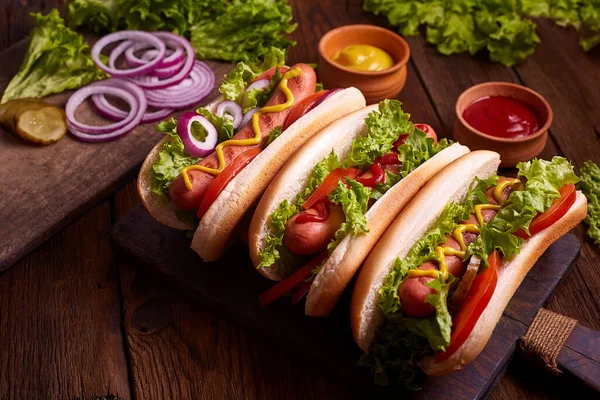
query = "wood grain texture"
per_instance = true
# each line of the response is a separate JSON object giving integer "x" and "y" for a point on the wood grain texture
{"x": 67, "y": 178}
{"x": 60, "y": 318}
{"x": 180, "y": 349}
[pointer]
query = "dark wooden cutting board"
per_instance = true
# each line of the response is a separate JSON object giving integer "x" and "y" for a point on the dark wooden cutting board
{"x": 231, "y": 285}
{"x": 46, "y": 187}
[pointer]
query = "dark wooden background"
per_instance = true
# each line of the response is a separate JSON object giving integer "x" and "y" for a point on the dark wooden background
{"x": 77, "y": 320}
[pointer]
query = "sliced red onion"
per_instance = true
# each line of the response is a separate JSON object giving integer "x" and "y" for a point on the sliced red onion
{"x": 324, "y": 97}
{"x": 148, "y": 82}
{"x": 248, "y": 116}
{"x": 173, "y": 55}
{"x": 193, "y": 146}
{"x": 233, "y": 110}
{"x": 145, "y": 37}
{"x": 259, "y": 84}
{"x": 167, "y": 72}
{"x": 79, "y": 96}
{"x": 203, "y": 80}
{"x": 114, "y": 113}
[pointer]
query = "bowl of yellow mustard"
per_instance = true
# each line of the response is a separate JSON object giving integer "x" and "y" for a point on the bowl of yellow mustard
{"x": 370, "y": 58}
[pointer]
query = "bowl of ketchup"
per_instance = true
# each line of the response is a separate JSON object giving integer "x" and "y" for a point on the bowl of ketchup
{"x": 509, "y": 119}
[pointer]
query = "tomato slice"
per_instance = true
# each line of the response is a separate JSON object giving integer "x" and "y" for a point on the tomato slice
{"x": 301, "y": 108}
{"x": 284, "y": 286}
{"x": 559, "y": 207}
{"x": 390, "y": 158}
{"x": 429, "y": 131}
{"x": 302, "y": 291}
{"x": 268, "y": 74}
{"x": 375, "y": 175}
{"x": 217, "y": 186}
{"x": 478, "y": 298}
{"x": 329, "y": 184}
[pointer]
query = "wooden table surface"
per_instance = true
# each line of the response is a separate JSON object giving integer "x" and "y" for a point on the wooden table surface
{"x": 76, "y": 320}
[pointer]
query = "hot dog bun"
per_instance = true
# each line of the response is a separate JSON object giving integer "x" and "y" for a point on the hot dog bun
{"x": 217, "y": 228}
{"x": 165, "y": 212}
{"x": 338, "y": 270}
{"x": 416, "y": 219}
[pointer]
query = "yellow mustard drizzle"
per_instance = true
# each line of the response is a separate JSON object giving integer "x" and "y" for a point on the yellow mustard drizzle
{"x": 289, "y": 96}
{"x": 458, "y": 232}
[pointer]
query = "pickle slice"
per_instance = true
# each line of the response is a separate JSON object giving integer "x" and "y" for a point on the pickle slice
{"x": 15, "y": 106}
{"x": 46, "y": 125}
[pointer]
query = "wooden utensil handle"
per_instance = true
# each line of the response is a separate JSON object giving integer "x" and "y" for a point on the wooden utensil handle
{"x": 580, "y": 356}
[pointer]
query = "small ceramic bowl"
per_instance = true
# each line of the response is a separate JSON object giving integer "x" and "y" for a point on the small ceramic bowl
{"x": 375, "y": 85}
{"x": 512, "y": 151}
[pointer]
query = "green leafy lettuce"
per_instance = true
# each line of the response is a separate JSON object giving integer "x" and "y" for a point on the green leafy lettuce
{"x": 590, "y": 186}
{"x": 501, "y": 27}
{"x": 95, "y": 15}
{"x": 57, "y": 59}
{"x": 171, "y": 159}
{"x": 354, "y": 199}
{"x": 230, "y": 30}
{"x": 245, "y": 31}
{"x": 223, "y": 125}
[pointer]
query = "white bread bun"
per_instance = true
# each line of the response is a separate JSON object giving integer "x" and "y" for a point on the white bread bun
{"x": 510, "y": 276}
{"x": 159, "y": 207}
{"x": 450, "y": 185}
{"x": 346, "y": 259}
{"x": 294, "y": 176}
{"x": 218, "y": 226}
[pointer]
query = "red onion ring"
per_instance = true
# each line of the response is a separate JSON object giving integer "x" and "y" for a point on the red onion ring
{"x": 203, "y": 81}
{"x": 171, "y": 58}
{"x": 248, "y": 116}
{"x": 167, "y": 72}
{"x": 110, "y": 111}
{"x": 259, "y": 84}
{"x": 79, "y": 96}
{"x": 233, "y": 110}
{"x": 151, "y": 82}
{"x": 94, "y": 137}
{"x": 145, "y": 37}
{"x": 192, "y": 146}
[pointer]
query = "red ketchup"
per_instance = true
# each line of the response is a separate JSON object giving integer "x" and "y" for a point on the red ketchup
{"x": 502, "y": 117}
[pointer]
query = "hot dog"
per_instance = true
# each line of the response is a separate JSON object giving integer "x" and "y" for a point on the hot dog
{"x": 439, "y": 279}
{"x": 222, "y": 186}
{"x": 337, "y": 195}
{"x": 301, "y": 87}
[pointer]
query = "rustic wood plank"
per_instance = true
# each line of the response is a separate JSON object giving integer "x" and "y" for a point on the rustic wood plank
{"x": 65, "y": 179}
{"x": 179, "y": 349}
{"x": 60, "y": 318}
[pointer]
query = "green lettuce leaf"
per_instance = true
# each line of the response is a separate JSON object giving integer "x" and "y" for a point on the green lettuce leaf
{"x": 274, "y": 134}
{"x": 590, "y": 186}
{"x": 514, "y": 40}
{"x": 57, "y": 59}
{"x": 95, "y": 15}
{"x": 245, "y": 31}
{"x": 394, "y": 355}
{"x": 171, "y": 159}
{"x": 239, "y": 78}
{"x": 321, "y": 170}
{"x": 417, "y": 149}
{"x": 384, "y": 127}
{"x": 354, "y": 201}
{"x": 278, "y": 220}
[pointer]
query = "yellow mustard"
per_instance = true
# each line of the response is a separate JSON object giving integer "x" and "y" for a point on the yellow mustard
{"x": 457, "y": 233}
{"x": 363, "y": 57}
{"x": 289, "y": 96}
